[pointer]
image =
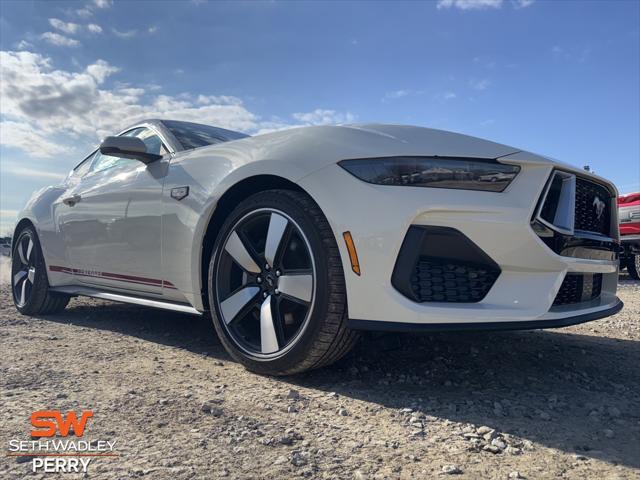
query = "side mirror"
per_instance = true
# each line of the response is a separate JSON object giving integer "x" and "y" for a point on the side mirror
{"x": 128, "y": 147}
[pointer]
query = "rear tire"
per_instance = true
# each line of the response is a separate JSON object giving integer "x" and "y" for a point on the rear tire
{"x": 285, "y": 325}
{"x": 633, "y": 267}
{"x": 29, "y": 283}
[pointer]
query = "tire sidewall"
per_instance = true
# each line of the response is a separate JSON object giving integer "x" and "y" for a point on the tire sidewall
{"x": 297, "y": 353}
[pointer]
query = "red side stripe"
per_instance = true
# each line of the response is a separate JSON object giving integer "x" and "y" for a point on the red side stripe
{"x": 113, "y": 276}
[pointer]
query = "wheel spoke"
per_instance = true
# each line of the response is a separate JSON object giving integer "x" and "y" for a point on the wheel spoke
{"x": 277, "y": 226}
{"x": 235, "y": 247}
{"x": 268, "y": 338}
{"x": 29, "y": 249}
{"x": 31, "y": 275}
{"x": 18, "y": 276}
{"x": 236, "y": 302}
{"x": 23, "y": 293}
{"x": 21, "y": 253}
{"x": 297, "y": 286}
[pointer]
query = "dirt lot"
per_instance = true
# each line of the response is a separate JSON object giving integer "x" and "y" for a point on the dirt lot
{"x": 542, "y": 404}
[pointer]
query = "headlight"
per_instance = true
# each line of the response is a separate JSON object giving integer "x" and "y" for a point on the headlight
{"x": 436, "y": 172}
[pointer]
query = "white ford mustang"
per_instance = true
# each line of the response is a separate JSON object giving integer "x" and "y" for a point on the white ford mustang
{"x": 296, "y": 240}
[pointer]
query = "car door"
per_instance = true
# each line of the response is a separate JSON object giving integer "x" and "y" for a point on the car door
{"x": 111, "y": 220}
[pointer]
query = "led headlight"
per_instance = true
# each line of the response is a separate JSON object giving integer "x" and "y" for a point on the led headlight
{"x": 436, "y": 172}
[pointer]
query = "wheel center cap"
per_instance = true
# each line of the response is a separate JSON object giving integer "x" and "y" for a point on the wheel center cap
{"x": 271, "y": 281}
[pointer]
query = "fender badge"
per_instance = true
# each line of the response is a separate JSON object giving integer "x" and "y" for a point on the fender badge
{"x": 179, "y": 193}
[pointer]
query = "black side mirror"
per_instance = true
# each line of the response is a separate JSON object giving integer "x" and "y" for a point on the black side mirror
{"x": 127, "y": 147}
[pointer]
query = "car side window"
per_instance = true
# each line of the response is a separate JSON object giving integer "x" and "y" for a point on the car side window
{"x": 84, "y": 166}
{"x": 150, "y": 139}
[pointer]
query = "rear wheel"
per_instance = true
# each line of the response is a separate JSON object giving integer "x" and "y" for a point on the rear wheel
{"x": 276, "y": 286}
{"x": 29, "y": 282}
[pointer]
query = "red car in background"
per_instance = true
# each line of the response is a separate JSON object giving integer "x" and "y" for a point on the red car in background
{"x": 629, "y": 215}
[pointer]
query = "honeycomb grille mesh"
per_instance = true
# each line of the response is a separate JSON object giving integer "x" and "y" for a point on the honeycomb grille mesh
{"x": 435, "y": 280}
{"x": 586, "y": 214}
{"x": 578, "y": 287}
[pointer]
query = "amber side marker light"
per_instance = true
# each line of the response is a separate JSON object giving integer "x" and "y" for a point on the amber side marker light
{"x": 353, "y": 255}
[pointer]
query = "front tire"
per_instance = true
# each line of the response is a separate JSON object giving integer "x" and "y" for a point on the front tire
{"x": 29, "y": 283}
{"x": 276, "y": 286}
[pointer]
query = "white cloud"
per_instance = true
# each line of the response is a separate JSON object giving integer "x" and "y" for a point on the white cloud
{"x": 522, "y": 3}
{"x": 42, "y": 105}
{"x": 93, "y": 28}
{"x": 448, "y": 95}
{"x": 103, "y": 3}
{"x": 101, "y": 70}
{"x": 481, "y": 84}
{"x": 152, "y": 30}
{"x": 34, "y": 173}
{"x": 20, "y": 135}
{"x": 59, "y": 40}
{"x": 66, "y": 27}
{"x": 396, "y": 94}
{"x": 24, "y": 45}
{"x": 469, "y": 4}
{"x": 124, "y": 34}
{"x": 324, "y": 117}
{"x": 85, "y": 12}
{"x": 8, "y": 213}
{"x": 221, "y": 99}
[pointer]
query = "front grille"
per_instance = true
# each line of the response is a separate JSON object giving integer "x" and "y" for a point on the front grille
{"x": 592, "y": 199}
{"x": 434, "y": 280}
{"x": 579, "y": 287}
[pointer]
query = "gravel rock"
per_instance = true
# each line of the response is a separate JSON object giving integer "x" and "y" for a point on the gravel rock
{"x": 299, "y": 459}
{"x": 451, "y": 470}
{"x": 293, "y": 395}
{"x": 404, "y": 420}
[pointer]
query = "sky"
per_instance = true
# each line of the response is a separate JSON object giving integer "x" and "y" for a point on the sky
{"x": 559, "y": 78}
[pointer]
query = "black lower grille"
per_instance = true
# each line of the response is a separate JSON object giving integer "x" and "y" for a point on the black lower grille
{"x": 593, "y": 207}
{"x": 441, "y": 264}
{"x": 439, "y": 281}
{"x": 579, "y": 287}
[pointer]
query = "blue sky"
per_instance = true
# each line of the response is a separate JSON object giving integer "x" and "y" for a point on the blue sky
{"x": 559, "y": 78}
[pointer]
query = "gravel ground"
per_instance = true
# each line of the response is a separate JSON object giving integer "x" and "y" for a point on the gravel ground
{"x": 542, "y": 404}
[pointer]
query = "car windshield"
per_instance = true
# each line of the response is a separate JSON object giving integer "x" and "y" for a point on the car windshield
{"x": 195, "y": 135}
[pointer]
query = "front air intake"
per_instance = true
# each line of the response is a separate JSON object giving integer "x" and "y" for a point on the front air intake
{"x": 441, "y": 264}
{"x": 578, "y": 288}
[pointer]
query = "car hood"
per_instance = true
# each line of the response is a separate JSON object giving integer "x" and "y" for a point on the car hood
{"x": 307, "y": 149}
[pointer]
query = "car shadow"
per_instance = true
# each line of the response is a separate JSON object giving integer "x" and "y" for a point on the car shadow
{"x": 555, "y": 388}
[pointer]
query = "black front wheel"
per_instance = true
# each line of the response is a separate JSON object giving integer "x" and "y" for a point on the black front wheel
{"x": 29, "y": 283}
{"x": 276, "y": 286}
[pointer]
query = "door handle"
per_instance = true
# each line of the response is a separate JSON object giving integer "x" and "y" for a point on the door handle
{"x": 72, "y": 200}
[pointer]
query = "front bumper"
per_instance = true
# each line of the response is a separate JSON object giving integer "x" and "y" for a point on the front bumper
{"x": 379, "y": 217}
{"x": 448, "y": 327}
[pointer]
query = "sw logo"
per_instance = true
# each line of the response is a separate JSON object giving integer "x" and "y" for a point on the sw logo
{"x": 63, "y": 425}
{"x": 57, "y": 445}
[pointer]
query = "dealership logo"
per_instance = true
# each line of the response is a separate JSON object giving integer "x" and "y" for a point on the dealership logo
{"x": 56, "y": 444}
{"x": 48, "y": 428}
{"x": 599, "y": 206}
